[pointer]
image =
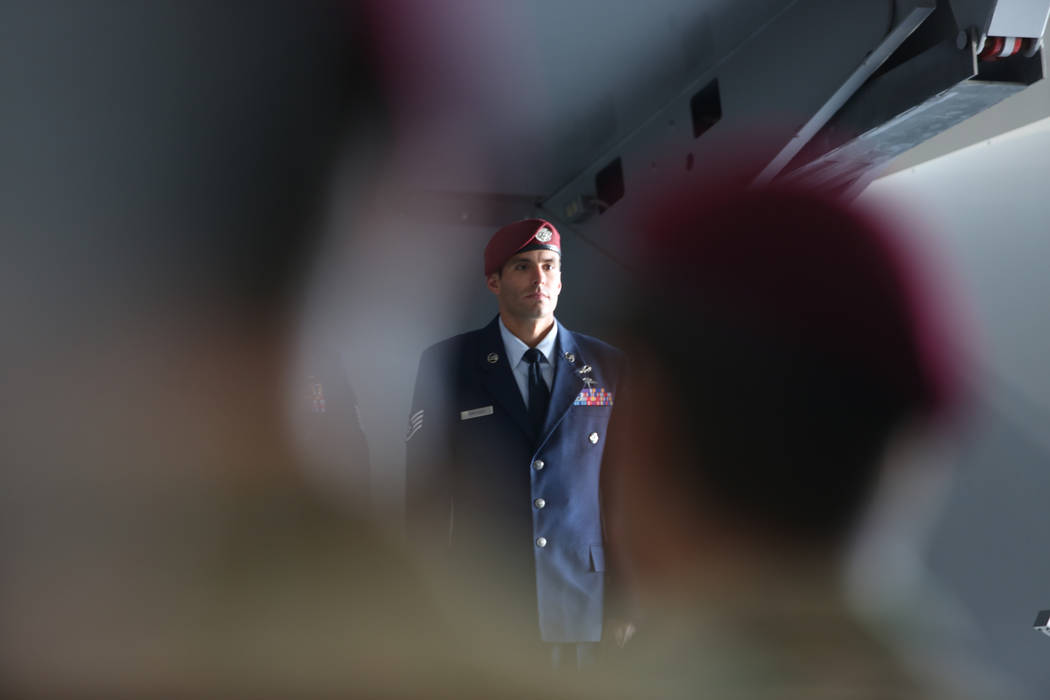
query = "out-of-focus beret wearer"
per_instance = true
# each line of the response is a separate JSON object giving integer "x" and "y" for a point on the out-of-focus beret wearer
{"x": 527, "y": 234}
{"x": 820, "y": 274}
{"x": 785, "y": 343}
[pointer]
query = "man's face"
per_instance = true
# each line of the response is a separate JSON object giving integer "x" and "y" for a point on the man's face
{"x": 528, "y": 286}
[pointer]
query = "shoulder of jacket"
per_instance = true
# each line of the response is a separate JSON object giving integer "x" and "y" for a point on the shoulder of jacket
{"x": 451, "y": 347}
{"x": 593, "y": 345}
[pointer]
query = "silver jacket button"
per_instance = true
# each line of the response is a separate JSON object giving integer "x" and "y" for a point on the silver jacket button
{"x": 593, "y": 437}
{"x": 540, "y": 503}
{"x": 541, "y": 541}
{"x": 538, "y": 464}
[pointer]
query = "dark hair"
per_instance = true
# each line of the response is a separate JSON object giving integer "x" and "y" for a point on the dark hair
{"x": 781, "y": 434}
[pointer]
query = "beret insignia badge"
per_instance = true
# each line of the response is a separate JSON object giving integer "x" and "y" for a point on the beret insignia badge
{"x": 544, "y": 235}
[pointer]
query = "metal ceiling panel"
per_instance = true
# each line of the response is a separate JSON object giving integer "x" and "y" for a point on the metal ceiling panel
{"x": 1020, "y": 18}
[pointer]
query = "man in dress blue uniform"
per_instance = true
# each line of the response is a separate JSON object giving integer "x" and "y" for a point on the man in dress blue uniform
{"x": 504, "y": 452}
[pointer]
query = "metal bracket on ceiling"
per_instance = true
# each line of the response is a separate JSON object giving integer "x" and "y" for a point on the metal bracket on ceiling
{"x": 909, "y": 14}
{"x": 731, "y": 97}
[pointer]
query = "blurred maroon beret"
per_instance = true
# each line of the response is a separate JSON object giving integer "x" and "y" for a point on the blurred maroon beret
{"x": 527, "y": 234}
{"x": 810, "y": 270}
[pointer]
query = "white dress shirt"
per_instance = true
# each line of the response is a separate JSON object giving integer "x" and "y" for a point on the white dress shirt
{"x": 515, "y": 352}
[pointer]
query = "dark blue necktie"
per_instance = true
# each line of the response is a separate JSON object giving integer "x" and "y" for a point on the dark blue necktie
{"x": 539, "y": 394}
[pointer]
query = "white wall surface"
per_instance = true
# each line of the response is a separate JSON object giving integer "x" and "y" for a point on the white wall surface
{"x": 987, "y": 209}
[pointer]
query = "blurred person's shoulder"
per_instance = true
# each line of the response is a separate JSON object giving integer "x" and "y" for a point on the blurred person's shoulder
{"x": 763, "y": 647}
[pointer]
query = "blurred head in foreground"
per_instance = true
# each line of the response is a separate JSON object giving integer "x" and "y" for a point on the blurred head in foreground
{"x": 782, "y": 342}
{"x": 168, "y": 169}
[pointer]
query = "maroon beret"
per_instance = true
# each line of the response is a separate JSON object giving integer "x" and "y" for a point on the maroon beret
{"x": 820, "y": 272}
{"x": 527, "y": 234}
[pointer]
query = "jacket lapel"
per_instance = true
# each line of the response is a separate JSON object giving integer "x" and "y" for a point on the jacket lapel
{"x": 499, "y": 379}
{"x": 567, "y": 382}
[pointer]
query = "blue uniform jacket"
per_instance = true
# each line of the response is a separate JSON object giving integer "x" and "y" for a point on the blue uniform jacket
{"x": 517, "y": 516}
